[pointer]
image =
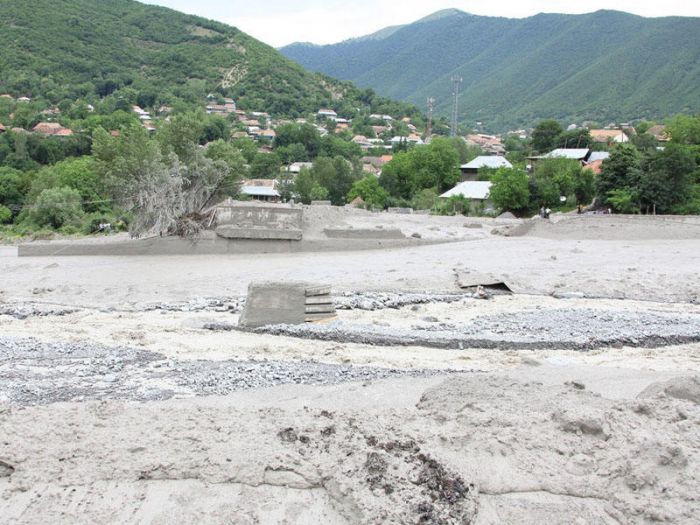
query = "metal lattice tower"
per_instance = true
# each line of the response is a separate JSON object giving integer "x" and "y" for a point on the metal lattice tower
{"x": 456, "y": 83}
{"x": 429, "y": 129}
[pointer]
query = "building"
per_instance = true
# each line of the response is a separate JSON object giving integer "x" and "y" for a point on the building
{"x": 489, "y": 143}
{"x": 608, "y": 136}
{"x": 470, "y": 170}
{"x": 580, "y": 154}
{"x": 411, "y": 139}
{"x": 327, "y": 113}
{"x": 659, "y": 132}
{"x": 264, "y": 190}
{"x": 52, "y": 128}
{"x": 477, "y": 192}
{"x": 296, "y": 167}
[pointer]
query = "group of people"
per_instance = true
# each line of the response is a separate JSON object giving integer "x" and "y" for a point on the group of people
{"x": 544, "y": 212}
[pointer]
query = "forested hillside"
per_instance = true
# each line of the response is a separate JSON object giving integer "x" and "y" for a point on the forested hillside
{"x": 603, "y": 66}
{"x": 71, "y": 49}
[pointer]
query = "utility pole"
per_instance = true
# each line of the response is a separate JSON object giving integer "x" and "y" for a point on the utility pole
{"x": 429, "y": 130}
{"x": 456, "y": 82}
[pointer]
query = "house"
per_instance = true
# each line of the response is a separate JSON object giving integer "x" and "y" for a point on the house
{"x": 385, "y": 118}
{"x": 659, "y": 132}
{"x": 52, "y": 128}
{"x": 371, "y": 170}
{"x": 595, "y": 161}
{"x": 489, "y": 143}
{"x": 597, "y": 156}
{"x": 477, "y": 192}
{"x": 296, "y": 167}
{"x": 268, "y": 134}
{"x": 261, "y": 190}
{"x": 362, "y": 141}
{"x": 470, "y": 170}
{"x": 374, "y": 165}
{"x": 327, "y": 113}
{"x": 411, "y": 139}
{"x": 595, "y": 166}
{"x": 608, "y": 136}
{"x": 24, "y": 99}
{"x": 149, "y": 125}
{"x": 579, "y": 154}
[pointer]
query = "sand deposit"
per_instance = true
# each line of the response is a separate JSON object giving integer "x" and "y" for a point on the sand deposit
{"x": 128, "y": 394}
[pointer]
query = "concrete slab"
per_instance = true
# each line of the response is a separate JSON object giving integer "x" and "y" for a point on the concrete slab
{"x": 286, "y": 303}
{"x": 364, "y": 233}
{"x": 234, "y": 232}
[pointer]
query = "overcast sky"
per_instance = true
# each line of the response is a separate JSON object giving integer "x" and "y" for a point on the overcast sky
{"x": 281, "y": 22}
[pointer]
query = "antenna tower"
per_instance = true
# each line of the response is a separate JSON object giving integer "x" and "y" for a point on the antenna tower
{"x": 456, "y": 83}
{"x": 429, "y": 130}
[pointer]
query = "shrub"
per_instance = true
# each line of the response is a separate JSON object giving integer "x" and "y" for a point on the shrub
{"x": 5, "y": 214}
{"x": 57, "y": 207}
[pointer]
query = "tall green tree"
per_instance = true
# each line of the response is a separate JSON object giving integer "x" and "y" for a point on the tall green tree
{"x": 545, "y": 136}
{"x": 668, "y": 179}
{"x": 509, "y": 190}
{"x": 621, "y": 171}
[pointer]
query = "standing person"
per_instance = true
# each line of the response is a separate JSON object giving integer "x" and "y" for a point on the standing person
{"x": 546, "y": 213}
{"x": 542, "y": 211}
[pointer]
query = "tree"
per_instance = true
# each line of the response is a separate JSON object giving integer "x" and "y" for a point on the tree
{"x": 623, "y": 200}
{"x": 370, "y": 191}
{"x": 684, "y": 129}
{"x": 78, "y": 173}
{"x": 305, "y": 135}
{"x": 620, "y": 171}
{"x": 668, "y": 179}
{"x": 584, "y": 186}
{"x": 265, "y": 166}
{"x": 318, "y": 193}
{"x": 303, "y": 184}
{"x": 509, "y": 190}
{"x": 398, "y": 176}
{"x": 553, "y": 179}
{"x": 546, "y": 135}
{"x": 576, "y": 138}
{"x": 232, "y": 157}
{"x": 13, "y": 188}
{"x": 57, "y": 207}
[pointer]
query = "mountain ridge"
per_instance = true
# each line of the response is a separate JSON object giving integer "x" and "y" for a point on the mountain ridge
{"x": 605, "y": 65}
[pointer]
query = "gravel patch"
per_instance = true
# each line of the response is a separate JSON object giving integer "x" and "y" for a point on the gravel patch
{"x": 569, "y": 329}
{"x": 38, "y": 373}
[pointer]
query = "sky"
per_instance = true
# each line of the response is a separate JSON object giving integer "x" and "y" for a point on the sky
{"x": 281, "y": 22}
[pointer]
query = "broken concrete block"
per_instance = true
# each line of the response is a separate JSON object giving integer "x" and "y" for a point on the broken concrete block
{"x": 286, "y": 303}
{"x": 258, "y": 221}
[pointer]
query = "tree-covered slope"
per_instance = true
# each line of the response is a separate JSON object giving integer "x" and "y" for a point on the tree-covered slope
{"x": 603, "y": 66}
{"x": 68, "y": 49}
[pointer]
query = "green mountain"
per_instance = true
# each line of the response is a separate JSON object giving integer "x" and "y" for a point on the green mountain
{"x": 600, "y": 66}
{"x": 63, "y": 50}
